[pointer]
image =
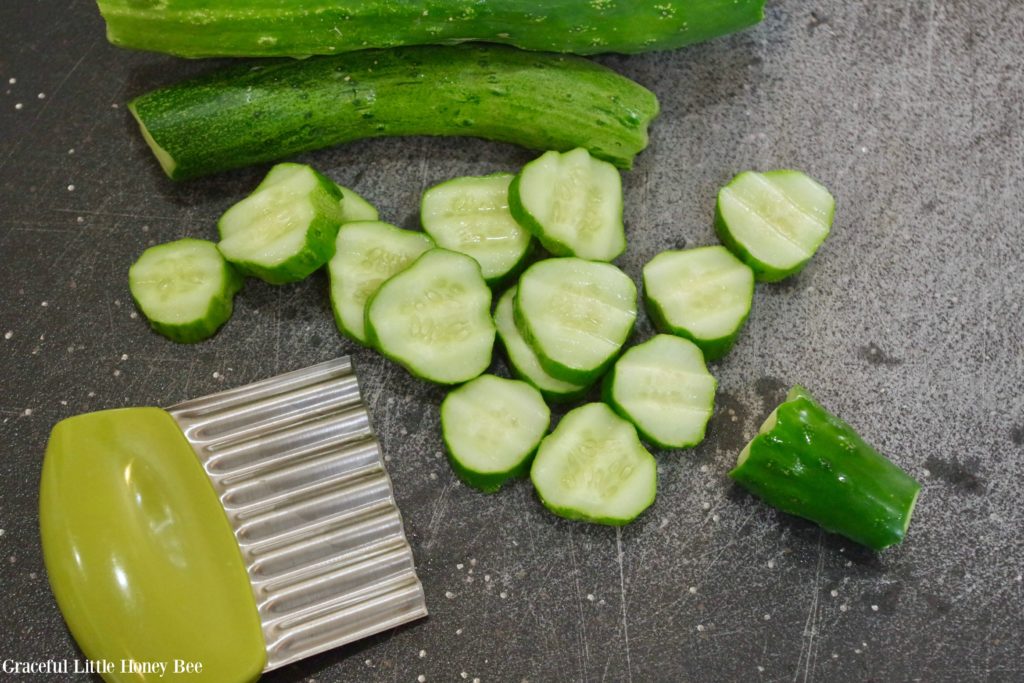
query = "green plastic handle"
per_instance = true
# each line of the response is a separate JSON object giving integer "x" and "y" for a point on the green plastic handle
{"x": 140, "y": 555}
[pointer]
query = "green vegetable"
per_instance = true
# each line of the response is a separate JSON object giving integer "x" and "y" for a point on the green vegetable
{"x": 256, "y": 28}
{"x": 252, "y": 114}
{"x": 184, "y": 288}
{"x": 809, "y": 463}
{"x": 663, "y": 387}
{"x": 701, "y": 294}
{"x": 286, "y": 228}
{"x": 491, "y": 428}
{"x": 354, "y": 208}
{"x": 434, "y": 318}
{"x": 471, "y": 216}
{"x": 774, "y": 221}
{"x": 575, "y": 315}
{"x": 572, "y": 202}
{"x": 592, "y": 467}
{"x": 366, "y": 254}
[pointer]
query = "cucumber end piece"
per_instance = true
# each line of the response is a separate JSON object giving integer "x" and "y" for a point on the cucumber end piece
{"x": 167, "y": 162}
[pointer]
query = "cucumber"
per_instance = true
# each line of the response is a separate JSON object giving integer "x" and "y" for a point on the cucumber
{"x": 184, "y": 288}
{"x": 249, "y": 114}
{"x": 434, "y": 318}
{"x": 286, "y": 228}
{"x": 522, "y": 358}
{"x": 572, "y": 202}
{"x": 702, "y": 294}
{"x": 575, "y": 315}
{"x": 809, "y": 463}
{"x": 774, "y": 221}
{"x": 471, "y": 216}
{"x": 366, "y": 254}
{"x": 592, "y": 467}
{"x": 355, "y": 209}
{"x": 491, "y": 428}
{"x": 663, "y": 387}
{"x": 260, "y": 28}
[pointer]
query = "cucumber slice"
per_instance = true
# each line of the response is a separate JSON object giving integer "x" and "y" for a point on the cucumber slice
{"x": 366, "y": 254}
{"x": 572, "y": 202}
{"x": 592, "y": 467}
{"x": 184, "y": 288}
{"x": 491, "y": 428}
{"x": 575, "y": 315}
{"x": 809, "y": 463}
{"x": 702, "y": 294}
{"x": 471, "y": 216}
{"x": 286, "y": 228}
{"x": 663, "y": 387}
{"x": 522, "y": 358}
{"x": 774, "y": 221}
{"x": 355, "y": 209}
{"x": 434, "y": 318}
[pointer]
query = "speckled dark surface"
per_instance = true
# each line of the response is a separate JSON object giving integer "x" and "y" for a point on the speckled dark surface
{"x": 909, "y": 323}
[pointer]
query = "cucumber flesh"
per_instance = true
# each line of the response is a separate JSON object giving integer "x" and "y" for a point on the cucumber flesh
{"x": 572, "y": 202}
{"x": 184, "y": 288}
{"x": 663, "y": 387}
{"x": 522, "y": 358}
{"x": 286, "y": 228}
{"x": 366, "y": 254}
{"x": 471, "y": 216}
{"x": 575, "y": 315}
{"x": 434, "y": 318}
{"x": 809, "y": 463}
{"x": 702, "y": 294}
{"x": 592, "y": 467}
{"x": 774, "y": 221}
{"x": 355, "y": 209}
{"x": 491, "y": 428}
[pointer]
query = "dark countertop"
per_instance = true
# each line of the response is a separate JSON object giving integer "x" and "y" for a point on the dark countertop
{"x": 909, "y": 323}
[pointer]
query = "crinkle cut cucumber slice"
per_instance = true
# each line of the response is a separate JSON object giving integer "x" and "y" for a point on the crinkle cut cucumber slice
{"x": 184, "y": 288}
{"x": 664, "y": 388}
{"x": 470, "y": 215}
{"x": 592, "y": 467}
{"x": 575, "y": 315}
{"x": 572, "y": 202}
{"x": 434, "y": 318}
{"x": 491, "y": 428}
{"x": 702, "y": 294}
{"x": 366, "y": 254}
{"x": 286, "y": 228}
{"x": 774, "y": 221}
{"x": 522, "y": 358}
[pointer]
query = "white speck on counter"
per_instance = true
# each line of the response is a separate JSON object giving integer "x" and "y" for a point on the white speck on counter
{"x": 114, "y": 105}
{"x": 874, "y": 608}
{"x": 80, "y": 219}
{"x": 700, "y": 627}
{"x": 706, "y": 506}
{"x": 8, "y": 334}
{"x": 71, "y": 188}
{"x": 771, "y": 564}
{"x": 857, "y": 651}
{"x": 472, "y": 562}
{"x": 693, "y": 590}
{"x": 459, "y": 566}
{"x": 863, "y": 150}
{"x": 216, "y": 375}
{"x": 368, "y": 662}
{"x": 423, "y": 653}
{"x": 63, "y": 403}
{"x": 433, "y": 475}
{"x": 27, "y": 412}
{"x": 835, "y": 655}
{"x": 590, "y": 597}
{"x": 44, "y": 304}
{"x": 449, "y": 595}
{"x": 1020, "y": 577}
{"x": 421, "y": 678}
{"x": 487, "y": 577}
{"x": 767, "y": 617}
{"x": 843, "y": 608}
{"x": 760, "y": 669}
{"x": 502, "y": 595}
{"x": 476, "y": 680}
{"x": 92, "y": 394}
{"x": 715, "y": 518}
{"x": 133, "y": 315}
{"x": 703, "y": 468}
{"x": 2, "y": 532}
{"x": 19, "y": 105}
{"x": 834, "y": 593}
{"x": 124, "y": 356}
{"x": 117, "y": 373}
{"x": 41, "y": 96}
{"x": 12, "y": 80}
{"x": 32, "y": 575}
{"x": 71, "y": 151}
{"x": 464, "y": 674}
{"x": 458, "y": 631}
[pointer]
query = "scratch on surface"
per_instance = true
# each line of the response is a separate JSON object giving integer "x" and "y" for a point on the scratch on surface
{"x": 929, "y": 43}
{"x": 438, "y": 514}
{"x": 622, "y": 590}
{"x": 584, "y": 654}
{"x": 808, "y": 655}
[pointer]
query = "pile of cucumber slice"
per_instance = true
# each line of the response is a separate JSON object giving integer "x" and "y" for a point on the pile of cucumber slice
{"x": 424, "y": 300}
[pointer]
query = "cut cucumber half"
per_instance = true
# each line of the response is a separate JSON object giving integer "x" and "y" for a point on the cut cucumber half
{"x": 774, "y": 221}
{"x": 592, "y": 467}
{"x": 434, "y": 318}
{"x": 470, "y": 215}
{"x": 572, "y": 202}
{"x": 522, "y": 358}
{"x": 575, "y": 315}
{"x": 702, "y": 294}
{"x": 286, "y": 228}
{"x": 491, "y": 428}
{"x": 664, "y": 388}
{"x": 367, "y": 254}
{"x": 354, "y": 208}
{"x": 184, "y": 288}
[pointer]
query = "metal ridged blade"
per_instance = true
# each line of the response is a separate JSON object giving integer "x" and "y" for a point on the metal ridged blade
{"x": 302, "y": 480}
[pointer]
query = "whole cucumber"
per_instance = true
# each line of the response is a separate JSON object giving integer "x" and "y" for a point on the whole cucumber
{"x": 296, "y": 28}
{"x": 250, "y": 114}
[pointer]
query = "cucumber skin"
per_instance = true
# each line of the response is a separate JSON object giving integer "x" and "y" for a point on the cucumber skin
{"x": 218, "y": 313}
{"x": 713, "y": 349}
{"x": 320, "y": 237}
{"x": 247, "y": 115}
{"x": 814, "y": 465}
{"x": 190, "y": 28}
